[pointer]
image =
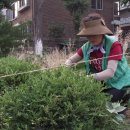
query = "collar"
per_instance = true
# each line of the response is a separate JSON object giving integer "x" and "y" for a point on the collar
{"x": 95, "y": 48}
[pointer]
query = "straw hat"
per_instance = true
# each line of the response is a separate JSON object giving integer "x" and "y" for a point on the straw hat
{"x": 94, "y": 27}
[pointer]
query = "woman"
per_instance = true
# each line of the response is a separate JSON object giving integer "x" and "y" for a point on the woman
{"x": 108, "y": 63}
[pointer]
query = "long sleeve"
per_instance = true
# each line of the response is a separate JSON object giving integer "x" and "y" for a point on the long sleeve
{"x": 109, "y": 72}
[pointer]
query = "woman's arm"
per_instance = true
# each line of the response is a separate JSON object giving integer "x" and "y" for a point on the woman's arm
{"x": 109, "y": 72}
{"x": 73, "y": 59}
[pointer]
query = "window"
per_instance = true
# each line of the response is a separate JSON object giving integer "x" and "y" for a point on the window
{"x": 9, "y": 14}
{"x": 116, "y": 9}
{"x": 14, "y": 10}
{"x": 97, "y": 4}
{"x": 22, "y": 3}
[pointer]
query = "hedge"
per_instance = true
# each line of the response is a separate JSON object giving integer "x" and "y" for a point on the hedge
{"x": 10, "y": 65}
{"x": 56, "y": 100}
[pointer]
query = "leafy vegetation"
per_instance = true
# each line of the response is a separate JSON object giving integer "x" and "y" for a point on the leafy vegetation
{"x": 12, "y": 36}
{"x": 7, "y": 37}
{"x": 76, "y": 8}
{"x": 52, "y": 100}
{"x": 11, "y": 65}
{"x": 6, "y": 3}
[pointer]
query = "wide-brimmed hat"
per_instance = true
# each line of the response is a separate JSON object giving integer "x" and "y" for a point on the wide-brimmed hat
{"x": 95, "y": 27}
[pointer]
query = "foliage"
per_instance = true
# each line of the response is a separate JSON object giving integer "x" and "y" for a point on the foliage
{"x": 25, "y": 32}
{"x": 11, "y": 65}
{"x": 56, "y": 32}
{"x": 6, "y": 3}
{"x": 7, "y": 37}
{"x": 115, "y": 107}
{"x": 12, "y": 36}
{"x": 76, "y": 8}
{"x": 56, "y": 100}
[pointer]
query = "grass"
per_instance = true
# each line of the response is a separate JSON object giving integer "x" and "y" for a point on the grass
{"x": 51, "y": 59}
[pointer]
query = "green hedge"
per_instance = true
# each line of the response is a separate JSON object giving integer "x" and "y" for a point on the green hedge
{"x": 10, "y": 65}
{"x": 56, "y": 100}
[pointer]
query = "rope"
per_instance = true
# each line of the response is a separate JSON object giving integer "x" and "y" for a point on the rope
{"x": 32, "y": 71}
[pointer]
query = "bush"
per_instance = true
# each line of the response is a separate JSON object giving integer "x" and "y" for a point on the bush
{"x": 56, "y": 100}
{"x": 8, "y": 37}
{"x": 11, "y": 65}
{"x": 12, "y": 37}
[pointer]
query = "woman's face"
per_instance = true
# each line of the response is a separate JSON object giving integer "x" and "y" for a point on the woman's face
{"x": 95, "y": 39}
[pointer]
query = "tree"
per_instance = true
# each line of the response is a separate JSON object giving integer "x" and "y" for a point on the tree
{"x": 6, "y": 3}
{"x": 8, "y": 36}
{"x": 13, "y": 36}
{"x": 76, "y": 8}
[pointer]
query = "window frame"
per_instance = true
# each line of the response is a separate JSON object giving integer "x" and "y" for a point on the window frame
{"x": 96, "y": 4}
{"x": 22, "y": 3}
{"x": 15, "y": 10}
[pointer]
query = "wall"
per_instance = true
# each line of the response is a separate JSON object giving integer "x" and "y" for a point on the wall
{"x": 49, "y": 12}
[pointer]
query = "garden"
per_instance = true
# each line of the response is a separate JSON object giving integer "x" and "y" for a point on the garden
{"x": 41, "y": 93}
{"x": 52, "y": 98}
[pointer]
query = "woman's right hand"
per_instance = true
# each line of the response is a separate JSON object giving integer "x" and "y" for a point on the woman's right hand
{"x": 72, "y": 60}
{"x": 69, "y": 63}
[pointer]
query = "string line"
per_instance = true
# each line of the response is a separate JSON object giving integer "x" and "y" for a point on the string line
{"x": 80, "y": 62}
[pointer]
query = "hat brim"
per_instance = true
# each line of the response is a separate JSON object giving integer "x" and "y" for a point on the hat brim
{"x": 94, "y": 31}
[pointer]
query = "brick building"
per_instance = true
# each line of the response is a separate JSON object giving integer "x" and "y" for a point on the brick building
{"x": 49, "y": 12}
{"x": 106, "y": 10}
{"x": 45, "y": 13}
{"x": 21, "y": 12}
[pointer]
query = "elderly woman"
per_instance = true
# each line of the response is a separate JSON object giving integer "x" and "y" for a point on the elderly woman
{"x": 103, "y": 56}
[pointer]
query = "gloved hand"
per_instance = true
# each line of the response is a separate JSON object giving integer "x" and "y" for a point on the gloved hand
{"x": 73, "y": 60}
{"x": 91, "y": 75}
{"x": 69, "y": 63}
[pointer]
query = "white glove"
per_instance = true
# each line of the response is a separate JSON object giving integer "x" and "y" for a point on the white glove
{"x": 73, "y": 59}
{"x": 69, "y": 63}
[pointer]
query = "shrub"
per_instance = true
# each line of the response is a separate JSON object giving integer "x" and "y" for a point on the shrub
{"x": 9, "y": 37}
{"x": 13, "y": 36}
{"x": 76, "y": 9}
{"x": 56, "y": 100}
{"x": 11, "y": 65}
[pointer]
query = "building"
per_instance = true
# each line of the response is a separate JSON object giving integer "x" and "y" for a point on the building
{"x": 125, "y": 16}
{"x": 20, "y": 13}
{"x": 125, "y": 22}
{"x": 46, "y": 13}
{"x": 49, "y": 12}
{"x": 105, "y": 8}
